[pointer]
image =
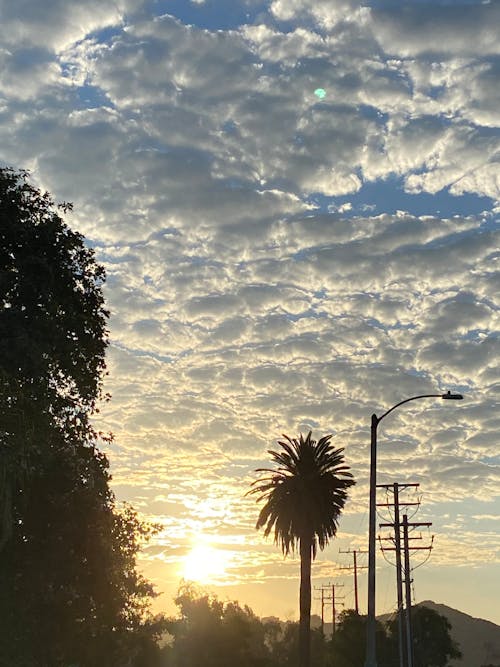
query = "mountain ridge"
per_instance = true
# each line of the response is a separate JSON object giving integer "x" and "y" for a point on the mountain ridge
{"x": 477, "y": 638}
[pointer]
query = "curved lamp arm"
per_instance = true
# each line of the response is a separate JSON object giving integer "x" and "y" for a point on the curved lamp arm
{"x": 447, "y": 396}
{"x": 371, "y": 648}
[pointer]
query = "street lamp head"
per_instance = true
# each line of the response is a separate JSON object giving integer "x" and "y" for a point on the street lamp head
{"x": 452, "y": 397}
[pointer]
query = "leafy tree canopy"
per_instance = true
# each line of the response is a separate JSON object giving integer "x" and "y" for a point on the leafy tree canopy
{"x": 69, "y": 589}
{"x": 348, "y": 644}
{"x": 215, "y": 634}
{"x": 52, "y": 332}
{"x": 432, "y": 642}
{"x": 208, "y": 631}
{"x": 53, "y": 325}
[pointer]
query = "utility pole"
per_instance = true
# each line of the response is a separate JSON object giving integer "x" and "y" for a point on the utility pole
{"x": 328, "y": 596}
{"x": 408, "y": 581}
{"x": 322, "y": 611}
{"x": 335, "y": 598}
{"x": 356, "y": 567}
{"x": 333, "y": 610}
{"x": 409, "y": 633}
{"x": 371, "y": 643}
{"x": 407, "y": 575}
{"x": 321, "y": 590}
{"x": 395, "y": 488}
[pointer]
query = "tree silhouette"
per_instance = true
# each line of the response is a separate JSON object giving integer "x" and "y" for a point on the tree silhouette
{"x": 214, "y": 633}
{"x": 303, "y": 499}
{"x": 433, "y": 645}
{"x": 53, "y": 334}
{"x": 348, "y": 643}
{"x": 69, "y": 589}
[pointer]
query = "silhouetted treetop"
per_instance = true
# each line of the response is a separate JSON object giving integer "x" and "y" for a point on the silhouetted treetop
{"x": 70, "y": 592}
{"x": 53, "y": 320}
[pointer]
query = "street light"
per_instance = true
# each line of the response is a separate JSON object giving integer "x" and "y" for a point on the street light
{"x": 371, "y": 651}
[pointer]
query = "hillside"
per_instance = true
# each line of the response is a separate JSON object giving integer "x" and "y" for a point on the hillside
{"x": 479, "y": 640}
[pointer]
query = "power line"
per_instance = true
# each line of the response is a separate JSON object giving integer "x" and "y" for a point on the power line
{"x": 355, "y": 568}
{"x": 396, "y": 539}
{"x": 329, "y": 596}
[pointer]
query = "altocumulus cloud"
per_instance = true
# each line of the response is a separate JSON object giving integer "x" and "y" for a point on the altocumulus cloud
{"x": 209, "y": 177}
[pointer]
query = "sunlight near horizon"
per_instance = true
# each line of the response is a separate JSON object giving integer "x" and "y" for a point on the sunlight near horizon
{"x": 204, "y": 564}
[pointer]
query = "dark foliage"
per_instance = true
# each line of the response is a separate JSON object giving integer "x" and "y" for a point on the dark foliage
{"x": 304, "y": 496}
{"x": 303, "y": 499}
{"x": 433, "y": 646}
{"x": 348, "y": 645}
{"x": 215, "y": 634}
{"x": 52, "y": 333}
{"x": 432, "y": 642}
{"x": 69, "y": 589}
{"x": 210, "y": 632}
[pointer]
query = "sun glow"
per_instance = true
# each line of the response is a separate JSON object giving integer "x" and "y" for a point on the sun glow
{"x": 205, "y": 564}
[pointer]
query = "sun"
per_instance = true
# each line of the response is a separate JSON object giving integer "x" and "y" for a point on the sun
{"x": 204, "y": 564}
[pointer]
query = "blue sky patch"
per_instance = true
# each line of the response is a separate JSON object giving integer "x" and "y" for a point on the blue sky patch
{"x": 389, "y": 196}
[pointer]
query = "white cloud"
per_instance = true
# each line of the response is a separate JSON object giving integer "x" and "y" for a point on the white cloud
{"x": 239, "y": 309}
{"x": 325, "y": 12}
{"x": 56, "y": 24}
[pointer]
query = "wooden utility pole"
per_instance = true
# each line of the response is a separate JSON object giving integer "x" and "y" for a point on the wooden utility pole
{"x": 395, "y": 488}
{"x": 333, "y": 610}
{"x": 328, "y": 596}
{"x": 323, "y": 600}
{"x": 355, "y": 567}
{"x": 407, "y": 568}
{"x": 322, "y": 611}
{"x": 409, "y": 633}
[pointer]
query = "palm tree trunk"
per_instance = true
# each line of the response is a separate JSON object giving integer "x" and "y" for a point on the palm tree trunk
{"x": 305, "y": 603}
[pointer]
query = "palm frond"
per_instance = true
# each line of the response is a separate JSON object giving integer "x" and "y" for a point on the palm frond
{"x": 305, "y": 495}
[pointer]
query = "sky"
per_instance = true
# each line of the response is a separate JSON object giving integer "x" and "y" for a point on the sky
{"x": 296, "y": 202}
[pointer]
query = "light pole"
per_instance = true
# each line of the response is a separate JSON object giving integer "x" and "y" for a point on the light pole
{"x": 371, "y": 650}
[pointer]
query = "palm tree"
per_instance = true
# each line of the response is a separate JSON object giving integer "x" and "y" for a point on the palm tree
{"x": 304, "y": 497}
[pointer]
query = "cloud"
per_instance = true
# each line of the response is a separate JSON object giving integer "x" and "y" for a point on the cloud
{"x": 326, "y": 13}
{"x": 202, "y": 167}
{"x": 57, "y": 23}
{"x": 460, "y": 30}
